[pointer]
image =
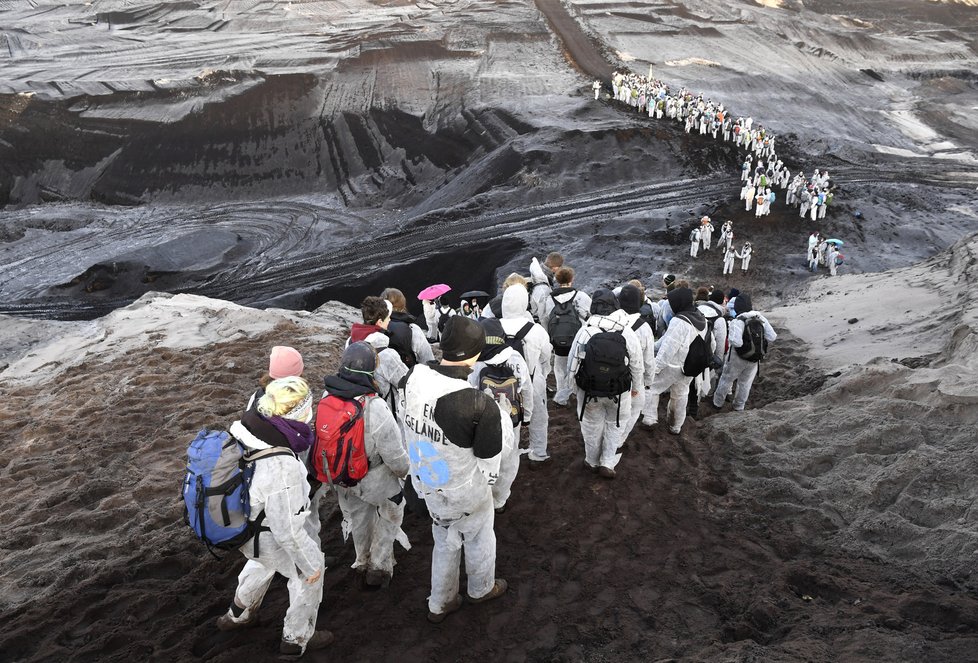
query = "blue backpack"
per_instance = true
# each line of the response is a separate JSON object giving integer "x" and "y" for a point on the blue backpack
{"x": 215, "y": 490}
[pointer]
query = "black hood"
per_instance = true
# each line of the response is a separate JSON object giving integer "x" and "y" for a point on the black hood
{"x": 743, "y": 304}
{"x": 604, "y": 302}
{"x": 680, "y": 299}
{"x": 681, "y": 302}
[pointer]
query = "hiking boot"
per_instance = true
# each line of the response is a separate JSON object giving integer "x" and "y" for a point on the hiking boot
{"x": 376, "y": 578}
{"x": 318, "y": 640}
{"x": 500, "y": 509}
{"x": 589, "y": 467}
{"x": 675, "y": 431}
{"x": 498, "y": 589}
{"x": 606, "y": 472}
{"x": 648, "y": 421}
{"x": 439, "y": 617}
{"x": 561, "y": 404}
{"x": 225, "y": 623}
{"x": 538, "y": 464}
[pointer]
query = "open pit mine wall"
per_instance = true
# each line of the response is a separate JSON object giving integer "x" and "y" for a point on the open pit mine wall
{"x": 238, "y": 135}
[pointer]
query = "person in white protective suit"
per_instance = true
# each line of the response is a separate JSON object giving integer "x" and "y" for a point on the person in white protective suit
{"x": 455, "y": 437}
{"x": 728, "y": 260}
{"x": 670, "y": 353}
{"x": 631, "y": 299}
{"x": 710, "y": 304}
{"x": 745, "y": 254}
{"x": 279, "y": 494}
{"x": 541, "y": 279}
{"x": 831, "y": 253}
{"x": 596, "y": 86}
{"x": 806, "y": 200}
{"x": 497, "y": 353}
{"x": 436, "y": 314}
{"x": 736, "y": 369}
{"x": 603, "y": 419}
{"x": 537, "y": 351}
{"x": 390, "y": 370}
{"x": 706, "y": 232}
{"x": 695, "y": 236}
{"x": 563, "y": 293}
{"x": 750, "y": 196}
{"x": 373, "y": 509}
{"x": 420, "y": 346}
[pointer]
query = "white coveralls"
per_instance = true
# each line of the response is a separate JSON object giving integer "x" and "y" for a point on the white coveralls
{"x": 455, "y": 485}
{"x": 509, "y": 458}
{"x": 582, "y": 304}
{"x": 751, "y": 195}
{"x": 374, "y": 509}
{"x": 292, "y": 547}
{"x": 737, "y": 369}
{"x": 694, "y": 242}
{"x": 831, "y": 253}
{"x": 706, "y": 231}
{"x": 539, "y": 290}
{"x": 596, "y": 85}
{"x": 646, "y": 339}
{"x": 603, "y": 423}
{"x": 745, "y": 258}
{"x": 431, "y": 315}
{"x": 728, "y": 260}
{"x": 390, "y": 369}
{"x": 670, "y": 353}
{"x": 537, "y": 351}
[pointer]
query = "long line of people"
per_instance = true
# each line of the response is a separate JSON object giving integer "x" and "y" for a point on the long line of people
{"x": 704, "y": 116}
{"x": 396, "y": 427}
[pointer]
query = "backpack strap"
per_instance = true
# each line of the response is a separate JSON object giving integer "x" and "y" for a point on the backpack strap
{"x": 639, "y": 321}
{"x": 524, "y": 330}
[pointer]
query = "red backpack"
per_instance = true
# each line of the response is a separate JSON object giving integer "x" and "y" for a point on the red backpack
{"x": 339, "y": 455}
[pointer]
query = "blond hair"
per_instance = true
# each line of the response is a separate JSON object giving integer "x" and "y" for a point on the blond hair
{"x": 515, "y": 279}
{"x": 282, "y": 396}
{"x": 638, "y": 284}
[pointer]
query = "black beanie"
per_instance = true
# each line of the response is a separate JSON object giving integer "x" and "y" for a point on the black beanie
{"x": 716, "y": 296}
{"x": 630, "y": 298}
{"x": 462, "y": 339}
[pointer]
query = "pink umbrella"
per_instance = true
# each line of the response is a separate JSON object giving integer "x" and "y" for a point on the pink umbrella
{"x": 433, "y": 291}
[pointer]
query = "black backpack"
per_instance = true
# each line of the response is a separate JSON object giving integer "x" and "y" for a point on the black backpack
{"x": 647, "y": 313}
{"x": 698, "y": 356}
{"x": 401, "y": 340}
{"x": 754, "y": 345}
{"x": 563, "y": 325}
{"x": 603, "y": 372}
{"x": 443, "y": 317}
{"x": 497, "y": 338}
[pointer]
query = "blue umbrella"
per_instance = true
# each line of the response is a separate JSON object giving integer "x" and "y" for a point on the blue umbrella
{"x": 835, "y": 241}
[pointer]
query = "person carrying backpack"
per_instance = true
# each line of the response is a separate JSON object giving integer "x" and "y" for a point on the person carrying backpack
{"x": 748, "y": 337}
{"x": 681, "y": 354}
{"x": 420, "y": 347}
{"x": 606, "y": 362}
{"x": 502, "y": 369}
{"x": 456, "y": 435}
{"x": 436, "y": 315}
{"x": 631, "y": 298}
{"x": 287, "y": 541}
{"x": 373, "y": 507}
{"x": 564, "y": 313}
{"x": 536, "y": 350}
{"x": 711, "y": 306}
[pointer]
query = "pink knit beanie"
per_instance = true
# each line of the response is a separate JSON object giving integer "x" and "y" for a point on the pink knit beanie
{"x": 284, "y": 362}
